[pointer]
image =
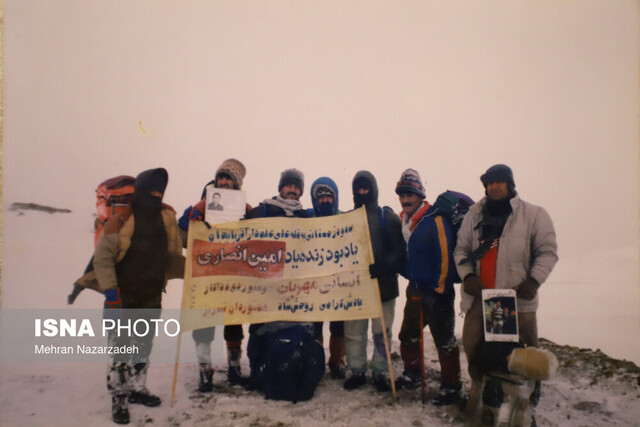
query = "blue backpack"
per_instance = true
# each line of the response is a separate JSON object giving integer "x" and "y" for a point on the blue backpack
{"x": 294, "y": 365}
{"x": 452, "y": 206}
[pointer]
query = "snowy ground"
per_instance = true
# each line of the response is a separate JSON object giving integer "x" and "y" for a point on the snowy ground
{"x": 44, "y": 253}
{"x": 589, "y": 390}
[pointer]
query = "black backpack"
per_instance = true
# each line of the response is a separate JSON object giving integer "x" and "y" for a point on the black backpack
{"x": 294, "y": 365}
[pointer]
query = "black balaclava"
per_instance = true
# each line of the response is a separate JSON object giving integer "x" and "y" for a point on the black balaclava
{"x": 365, "y": 179}
{"x": 141, "y": 271}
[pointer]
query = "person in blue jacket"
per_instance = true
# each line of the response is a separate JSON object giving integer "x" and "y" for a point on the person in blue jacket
{"x": 430, "y": 269}
{"x": 324, "y": 198}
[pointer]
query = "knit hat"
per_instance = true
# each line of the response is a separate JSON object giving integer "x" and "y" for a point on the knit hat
{"x": 292, "y": 176}
{"x": 235, "y": 169}
{"x": 410, "y": 182}
{"x": 499, "y": 173}
{"x": 323, "y": 190}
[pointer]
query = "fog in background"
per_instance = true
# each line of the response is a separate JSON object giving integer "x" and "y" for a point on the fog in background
{"x": 95, "y": 89}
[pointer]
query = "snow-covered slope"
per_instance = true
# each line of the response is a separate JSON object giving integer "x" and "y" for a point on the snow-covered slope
{"x": 43, "y": 254}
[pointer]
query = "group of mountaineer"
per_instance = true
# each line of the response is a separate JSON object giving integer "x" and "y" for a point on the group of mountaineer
{"x": 503, "y": 243}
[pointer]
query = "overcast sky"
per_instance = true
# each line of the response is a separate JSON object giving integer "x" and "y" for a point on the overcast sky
{"x": 94, "y": 89}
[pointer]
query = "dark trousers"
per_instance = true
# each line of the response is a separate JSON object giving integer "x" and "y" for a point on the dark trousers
{"x": 439, "y": 314}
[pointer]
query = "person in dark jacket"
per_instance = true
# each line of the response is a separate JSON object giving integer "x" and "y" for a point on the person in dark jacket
{"x": 388, "y": 253}
{"x": 285, "y": 204}
{"x": 230, "y": 175}
{"x": 324, "y": 197}
{"x": 133, "y": 261}
{"x": 430, "y": 293}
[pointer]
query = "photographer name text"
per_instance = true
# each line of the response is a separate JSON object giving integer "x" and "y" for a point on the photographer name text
{"x": 86, "y": 349}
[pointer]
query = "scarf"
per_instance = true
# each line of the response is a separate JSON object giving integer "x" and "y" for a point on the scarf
{"x": 288, "y": 206}
{"x": 409, "y": 224}
{"x": 494, "y": 217}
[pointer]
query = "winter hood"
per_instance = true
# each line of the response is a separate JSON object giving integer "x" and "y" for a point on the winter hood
{"x": 370, "y": 199}
{"x": 318, "y": 185}
{"x": 151, "y": 180}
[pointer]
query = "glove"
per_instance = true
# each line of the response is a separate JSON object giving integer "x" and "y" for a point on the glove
{"x": 472, "y": 285}
{"x": 376, "y": 270}
{"x": 193, "y": 213}
{"x": 528, "y": 289}
{"x": 112, "y": 304}
{"x": 196, "y": 212}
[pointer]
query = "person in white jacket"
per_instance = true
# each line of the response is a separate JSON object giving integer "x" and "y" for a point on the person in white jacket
{"x": 503, "y": 243}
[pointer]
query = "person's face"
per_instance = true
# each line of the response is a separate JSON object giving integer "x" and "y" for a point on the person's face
{"x": 291, "y": 192}
{"x": 410, "y": 203}
{"x": 498, "y": 190}
{"x": 362, "y": 191}
{"x": 224, "y": 181}
{"x": 156, "y": 194}
{"x": 325, "y": 199}
{"x": 216, "y": 199}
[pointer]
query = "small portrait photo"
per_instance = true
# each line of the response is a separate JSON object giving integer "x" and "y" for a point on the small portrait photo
{"x": 214, "y": 203}
{"x": 500, "y": 315}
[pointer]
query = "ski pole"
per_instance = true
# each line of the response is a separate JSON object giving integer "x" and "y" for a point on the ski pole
{"x": 422, "y": 381}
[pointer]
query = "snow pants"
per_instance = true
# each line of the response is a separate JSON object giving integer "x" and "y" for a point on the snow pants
{"x": 233, "y": 335}
{"x": 128, "y": 372}
{"x": 336, "y": 340}
{"x": 355, "y": 335}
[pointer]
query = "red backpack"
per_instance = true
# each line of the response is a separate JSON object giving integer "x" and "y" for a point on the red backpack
{"x": 113, "y": 195}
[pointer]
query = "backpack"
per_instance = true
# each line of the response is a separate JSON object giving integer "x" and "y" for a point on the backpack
{"x": 294, "y": 365}
{"x": 452, "y": 206}
{"x": 113, "y": 195}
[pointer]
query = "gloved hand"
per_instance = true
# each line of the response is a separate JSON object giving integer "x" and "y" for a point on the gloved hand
{"x": 112, "y": 304}
{"x": 472, "y": 285}
{"x": 192, "y": 213}
{"x": 198, "y": 209}
{"x": 528, "y": 289}
{"x": 376, "y": 270}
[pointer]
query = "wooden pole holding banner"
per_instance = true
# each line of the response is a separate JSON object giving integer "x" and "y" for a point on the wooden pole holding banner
{"x": 175, "y": 372}
{"x": 386, "y": 349}
{"x": 384, "y": 327}
{"x": 187, "y": 273}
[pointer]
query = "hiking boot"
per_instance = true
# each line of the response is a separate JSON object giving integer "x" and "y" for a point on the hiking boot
{"x": 381, "y": 382}
{"x": 145, "y": 398}
{"x": 447, "y": 396}
{"x": 337, "y": 370}
{"x": 205, "y": 385}
{"x": 253, "y": 382}
{"x": 234, "y": 376}
{"x": 120, "y": 409}
{"x": 356, "y": 380}
{"x": 409, "y": 380}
